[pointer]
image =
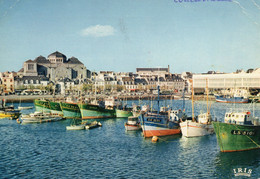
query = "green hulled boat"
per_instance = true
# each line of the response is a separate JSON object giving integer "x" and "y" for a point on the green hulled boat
{"x": 124, "y": 112}
{"x": 92, "y": 111}
{"x": 239, "y": 132}
{"x": 55, "y": 108}
{"x": 70, "y": 110}
{"x": 42, "y": 106}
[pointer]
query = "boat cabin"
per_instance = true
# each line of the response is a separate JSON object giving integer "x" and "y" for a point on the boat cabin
{"x": 112, "y": 102}
{"x": 204, "y": 118}
{"x": 176, "y": 115}
{"x": 132, "y": 120}
{"x": 241, "y": 118}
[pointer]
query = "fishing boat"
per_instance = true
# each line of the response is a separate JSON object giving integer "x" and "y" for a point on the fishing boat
{"x": 199, "y": 126}
{"x": 55, "y": 108}
{"x": 124, "y": 112}
{"x": 239, "y": 132}
{"x": 42, "y": 106}
{"x": 158, "y": 123}
{"x": 95, "y": 111}
{"x": 93, "y": 124}
{"x": 98, "y": 109}
{"x": 231, "y": 99}
{"x": 132, "y": 124}
{"x": 38, "y": 117}
{"x": 233, "y": 96}
{"x": 9, "y": 113}
{"x": 70, "y": 108}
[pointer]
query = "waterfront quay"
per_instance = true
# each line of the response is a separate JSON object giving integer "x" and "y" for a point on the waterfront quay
{"x": 31, "y": 98}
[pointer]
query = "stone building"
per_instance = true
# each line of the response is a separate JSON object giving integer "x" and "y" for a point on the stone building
{"x": 153, "y": 72}
{"x": 55, "y": 67}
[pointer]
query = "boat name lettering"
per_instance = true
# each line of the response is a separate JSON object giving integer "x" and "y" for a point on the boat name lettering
{"x": 240, "y": 132}
{"x": 153, "y": 120}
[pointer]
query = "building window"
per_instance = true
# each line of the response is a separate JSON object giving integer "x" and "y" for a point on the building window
{"x": 30, "y": 67}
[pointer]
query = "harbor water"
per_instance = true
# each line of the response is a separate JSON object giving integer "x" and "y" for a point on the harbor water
{"x": 48, "y": 150}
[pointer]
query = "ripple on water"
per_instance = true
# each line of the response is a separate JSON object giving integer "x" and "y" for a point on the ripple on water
{"x": 49, "y": 151}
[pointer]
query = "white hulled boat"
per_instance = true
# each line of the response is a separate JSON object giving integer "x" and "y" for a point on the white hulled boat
{"x": 75, "y": 127}
{"x": 38, "y": 117}
{"x": 132, "y": 124}
{"x": 200, "y": 126}
{"x": 195, "y": 128}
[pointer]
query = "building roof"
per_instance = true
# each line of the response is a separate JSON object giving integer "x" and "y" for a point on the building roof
{"x": 41, "y": 59}
{"x": 140, "y": 81}
{"x": 29, "y": 61}
{"x": 152, "y": 69}
{"x": 257, "y": 70}
{"x": 40, "y": 78}
{"x": 73, "y": 60}
{"x": 127, "y": 79}
{"x": 57, "y": 54}
{"x": 21, "y": 70}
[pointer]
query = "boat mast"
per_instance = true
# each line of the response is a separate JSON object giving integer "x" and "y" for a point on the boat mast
{"x": 95, "y": 87}
{"x": 192, "y": 100}
{"x": 207, "y": 90}
{"x": 158, "y": 88}
{"x": 183, "y": 99}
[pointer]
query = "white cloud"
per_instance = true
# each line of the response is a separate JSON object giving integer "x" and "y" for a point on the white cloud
{"x": 98, "y": 31}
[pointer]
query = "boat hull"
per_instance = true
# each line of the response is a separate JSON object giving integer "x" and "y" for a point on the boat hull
{"x": 89, "y": 111}
{"x": 75, "y": 127}
{"x": 233, "y": 137}
{"x": 32, "y": 121}
{"x": 132, "y": 127}
{"x": 222, "y": 99}
{"x": 123, "y": 113}
{"x": 24, "y": 107}
{"x": 10, "y": 114}
{"x": 55, "y": 108}
{"x": 194, "y": 129}
{"x": 70, "y": 110}
{"x": 156, "y": 125}
{"x": 42, "y": 106}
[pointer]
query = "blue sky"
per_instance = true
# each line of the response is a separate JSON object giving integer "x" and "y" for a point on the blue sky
{"x": 121, "y": 35}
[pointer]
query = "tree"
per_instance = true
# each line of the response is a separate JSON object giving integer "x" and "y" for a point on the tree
{"x": 87, "y": 87}
{"x": 119, "y": 88}
{"x": 49, "y": 87}
{"x": 31, "y": 87}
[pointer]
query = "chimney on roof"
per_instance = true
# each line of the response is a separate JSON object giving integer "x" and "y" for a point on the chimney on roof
{"x": 168, "y": 68}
